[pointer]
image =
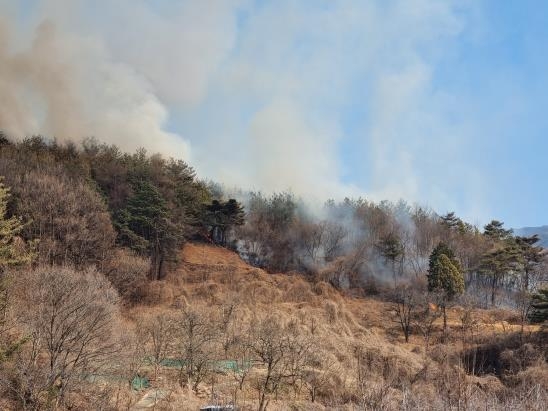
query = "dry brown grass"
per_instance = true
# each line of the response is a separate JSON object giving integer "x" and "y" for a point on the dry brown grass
{"x": 343, "y": 328}
{"x": 211, "y": 256}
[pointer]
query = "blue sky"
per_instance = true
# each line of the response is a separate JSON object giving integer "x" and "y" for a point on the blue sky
{"x": 436, "y": 102}
{"x": 504, "y": 75}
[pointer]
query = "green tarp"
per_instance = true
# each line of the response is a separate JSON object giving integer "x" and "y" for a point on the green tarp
{"x": 224, "y": 365}
{"x": 139, "y": 383}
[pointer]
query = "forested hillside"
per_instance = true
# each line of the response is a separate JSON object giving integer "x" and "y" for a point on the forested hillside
{"x": 109, "y": 272}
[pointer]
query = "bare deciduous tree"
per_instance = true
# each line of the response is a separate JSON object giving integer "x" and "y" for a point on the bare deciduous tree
{"x": 128, "y": 274}
{"x": 195, "y": 346}
{"x": 281, "y": 351}
{"x": 405, "y": 303}
{"x": 317, "y": 374}
{"x": 71, "y": 319}
{"x": 68, "y": 217}
{"x": 159, "y": 332}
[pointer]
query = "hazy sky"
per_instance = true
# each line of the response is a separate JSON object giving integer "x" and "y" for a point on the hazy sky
{"x": 437, "y": 102}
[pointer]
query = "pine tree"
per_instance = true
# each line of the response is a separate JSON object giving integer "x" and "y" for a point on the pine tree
{"x": 220, "y": 217}
{"x": 145, "y": 225}
{"x": 12, "y": 251}
{"x": 530, "y": 257}
{"x": 539, "y": 307}
{"x": 392, "y": 251}
{"x": 497, "y": 264}
{"x": 451, "y": 221}
{"x": 445, "y": 275}
{"x": 495, "y": 231}
{"x": 443, "y": 248}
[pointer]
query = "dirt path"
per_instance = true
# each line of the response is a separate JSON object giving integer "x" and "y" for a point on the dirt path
{"x": 149, "y": 400}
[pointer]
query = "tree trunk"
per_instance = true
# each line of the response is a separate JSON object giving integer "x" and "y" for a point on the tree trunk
{"x": 160, "y": 268}
{"x": 493, "y": 288}
{"x": 444, "y": 322}
{"x": 262, "y": 401}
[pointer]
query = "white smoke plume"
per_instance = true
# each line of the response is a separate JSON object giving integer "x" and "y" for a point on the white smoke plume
{"x": 250, "y": 93}
{"x": 64, "y": 76}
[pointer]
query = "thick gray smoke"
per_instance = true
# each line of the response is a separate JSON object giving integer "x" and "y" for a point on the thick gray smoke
{"x": 69, "y": 71}
{"x": 67, "y": 88}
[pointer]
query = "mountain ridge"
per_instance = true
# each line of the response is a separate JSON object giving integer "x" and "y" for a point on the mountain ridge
{"x": 542, "y": 232}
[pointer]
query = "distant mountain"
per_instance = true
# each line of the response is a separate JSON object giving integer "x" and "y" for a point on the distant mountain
{"x": 541, "y": 231}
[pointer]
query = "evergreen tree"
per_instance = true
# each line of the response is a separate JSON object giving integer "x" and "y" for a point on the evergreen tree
{"x": 445, "y": 275}
{"x": 392, "y": 251}
{"x": 530, "y": 257}
{"x": 451, "y": 221}
{"x": 495, "y": 231}
{"x": 539, "y": 307}
{"x": 498, "y": 264}
{"x": 146, "y": 227}
{"x": 12, "y": 251}
{"x": 221, "y": 217}
{"x": 443, "y": 248}
{"x": 235, "y": 212}
{"x": 214, "y": 218}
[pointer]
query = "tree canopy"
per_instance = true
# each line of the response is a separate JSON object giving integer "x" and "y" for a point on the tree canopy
{"x": 539, "y": 306}
{"x": 444, "y": 272}
{"x": 12, "y": 250}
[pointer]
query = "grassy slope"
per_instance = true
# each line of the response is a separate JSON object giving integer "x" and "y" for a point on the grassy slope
{"x": 211, "y": 276}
